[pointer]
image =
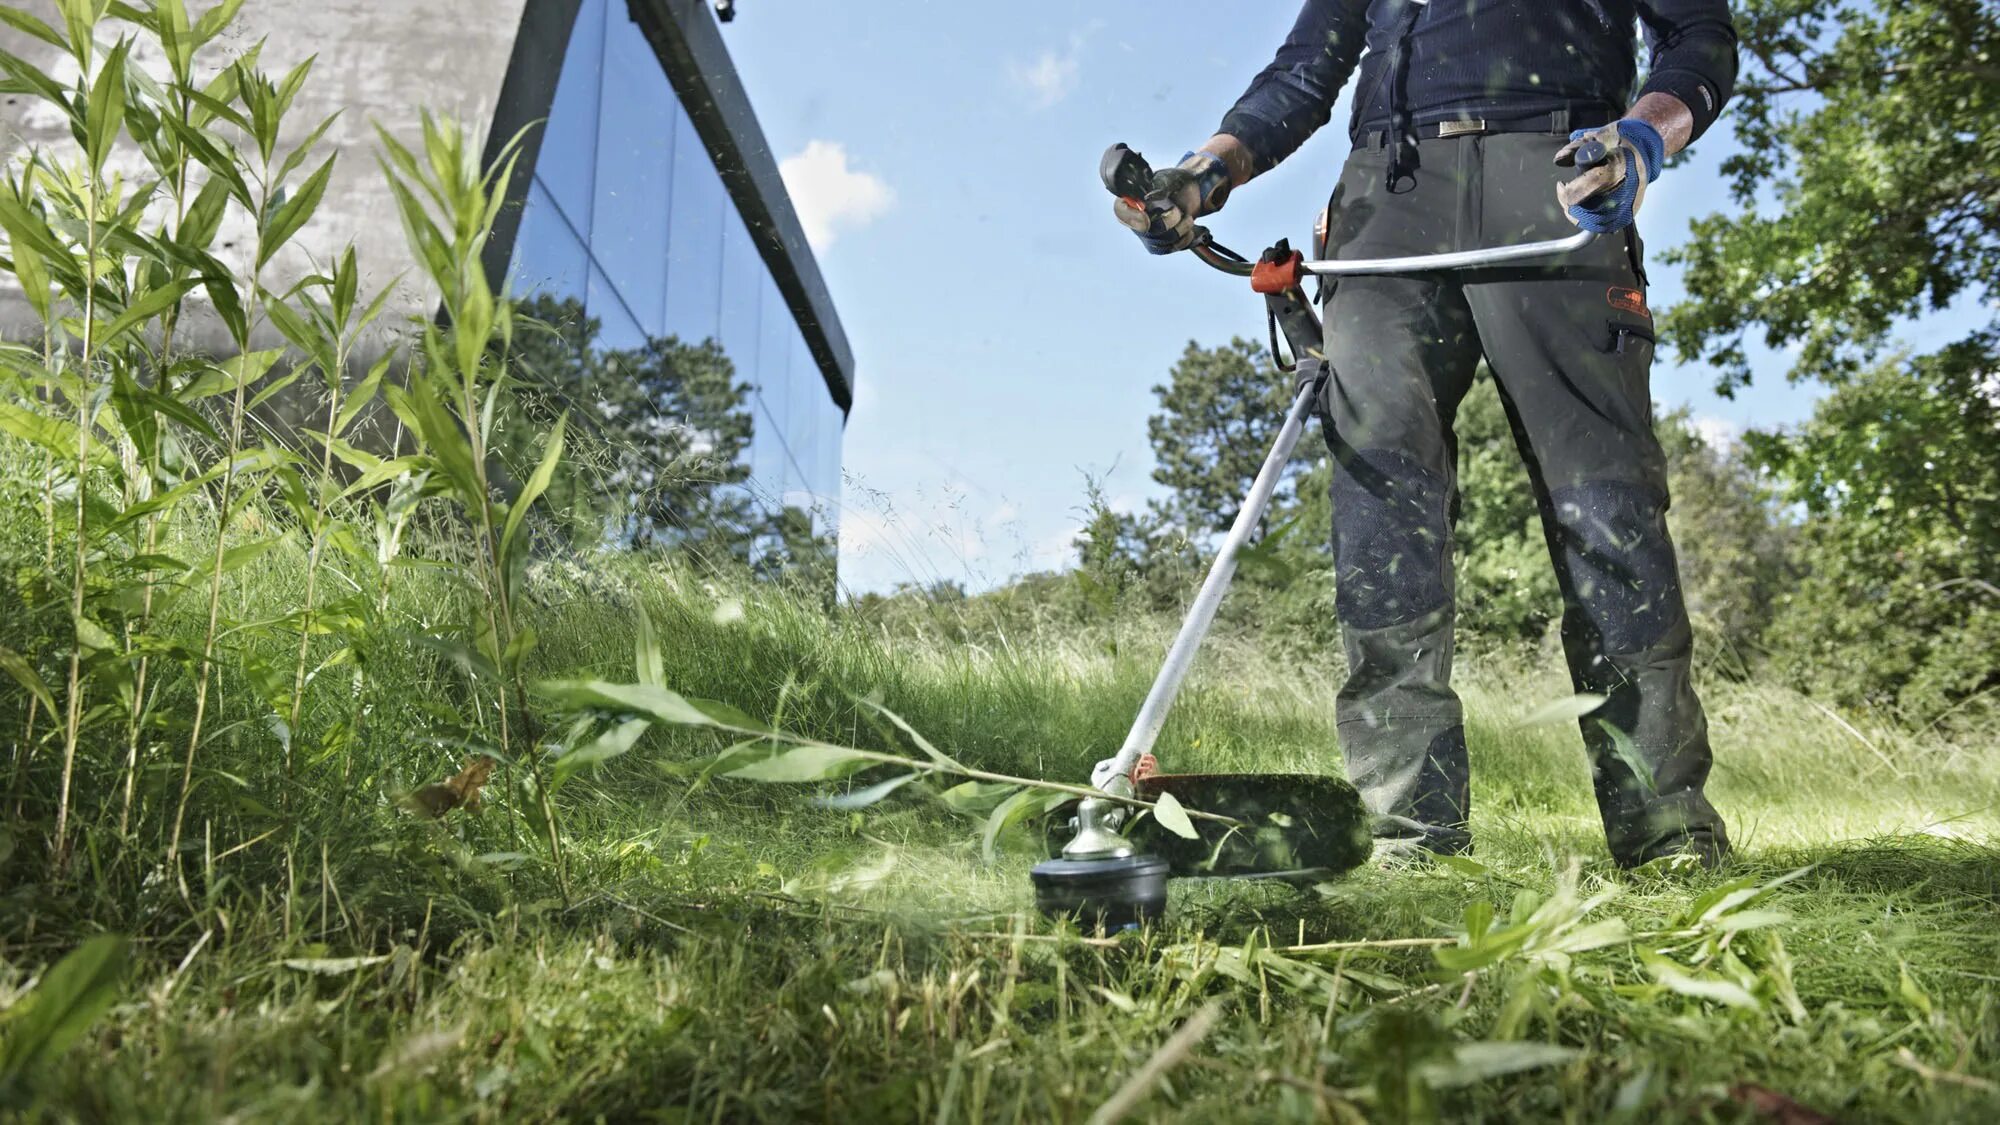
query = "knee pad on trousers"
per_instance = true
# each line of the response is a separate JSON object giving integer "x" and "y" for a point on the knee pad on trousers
{"x": 1390, "y": 536}
{"x": 1619, "y": 561}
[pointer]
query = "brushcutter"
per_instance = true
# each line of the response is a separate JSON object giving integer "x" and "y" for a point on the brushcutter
{"x": 1297, "y": 827}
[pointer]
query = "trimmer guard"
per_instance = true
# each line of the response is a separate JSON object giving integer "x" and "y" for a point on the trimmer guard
{"x": 1297, "y": 823}
{"x": 1301, "y": 825}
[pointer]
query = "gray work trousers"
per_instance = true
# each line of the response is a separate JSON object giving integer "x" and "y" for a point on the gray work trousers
{"x": 1570, "y": 345}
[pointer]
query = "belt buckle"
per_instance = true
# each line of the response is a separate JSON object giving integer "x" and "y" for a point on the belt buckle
{"x": 1460, "y": 128}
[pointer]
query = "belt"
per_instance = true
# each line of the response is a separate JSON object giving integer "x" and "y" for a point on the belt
{"x": 1556, "y": 123}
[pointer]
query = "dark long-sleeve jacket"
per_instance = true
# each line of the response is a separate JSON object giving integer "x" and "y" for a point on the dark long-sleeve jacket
{"x": 1491, "y": 59}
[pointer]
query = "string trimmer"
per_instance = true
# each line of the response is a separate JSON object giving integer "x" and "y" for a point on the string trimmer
{"x": 1288, "y": 826}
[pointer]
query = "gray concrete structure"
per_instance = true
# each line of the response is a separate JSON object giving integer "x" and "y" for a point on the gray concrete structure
{"x": 724, "y": 236}
{"x": 376, "y": 62}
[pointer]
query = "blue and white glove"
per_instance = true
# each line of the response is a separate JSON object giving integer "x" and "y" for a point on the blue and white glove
{"x": 1164, "y": 220}
{"x": 1617, "y": 162}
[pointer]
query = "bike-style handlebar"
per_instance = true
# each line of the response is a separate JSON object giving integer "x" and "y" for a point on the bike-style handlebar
{"x": 1126, "y": 174}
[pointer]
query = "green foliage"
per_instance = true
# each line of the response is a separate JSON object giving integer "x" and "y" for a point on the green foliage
{"x": 1898, "y": 473}
{"x": 1865, "y": 183}
{"x": 1866, "y": 189}
{"x": 72, "y": 996}
{"x": 1220, "y": 410}
{"x": 1738, "y": 546}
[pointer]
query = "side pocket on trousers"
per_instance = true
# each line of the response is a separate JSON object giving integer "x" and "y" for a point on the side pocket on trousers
{"x": 1627, "y": 339}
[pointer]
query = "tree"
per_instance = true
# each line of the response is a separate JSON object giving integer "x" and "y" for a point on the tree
{"x": 1737, "y": 549}
{"x": 1220, "y": 410}
{"x": 1866, "y": 185}
{"x": 1506, "y": 584}
{"x": 1898, "y": 473}
{"x": 1869, "y": 195}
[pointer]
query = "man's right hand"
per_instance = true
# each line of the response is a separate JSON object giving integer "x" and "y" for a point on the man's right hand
{"x": 1164, "y": 220}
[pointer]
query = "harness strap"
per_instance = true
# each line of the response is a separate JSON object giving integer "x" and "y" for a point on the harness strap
{"x": 1402, "y": 135}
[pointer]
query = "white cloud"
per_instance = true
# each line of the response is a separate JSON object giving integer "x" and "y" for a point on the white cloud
{"x": 830, "y": 196}
{"x": 1048, "y": 79}
{"x": 1053, "y": 74}
{"x": 1716, "y": 433}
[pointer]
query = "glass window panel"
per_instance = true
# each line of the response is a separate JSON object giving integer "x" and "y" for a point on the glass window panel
{"x": 772, "y": 374}
{"x": 827, "y": 469}
{"x": 635, "y": 142}
{"x": 569, "y": 140}
{"x": 620, "y": 329}
{"x": 549, "y": 258}
{"x": 694, "y": 252}
{"x": 767, "y": 461}
{"x": 775, "y": 333}
{"x": 808, "y": 391}
{"x": 742, "y": 293}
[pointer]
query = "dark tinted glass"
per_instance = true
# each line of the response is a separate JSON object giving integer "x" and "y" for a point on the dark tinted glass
{"x": 694, "y": 253}
{"x": 548, "y": 256}
{"x": 635, "y": 145}
{"x": 627, "y": 212}
{"x": 739, "y": 297}
{"x": 568, "y": 154}
{"x": 621, "y": 329}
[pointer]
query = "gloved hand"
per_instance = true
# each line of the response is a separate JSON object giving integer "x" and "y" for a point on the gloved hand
{"x": 1164, "y": 221}
{"x": 1618, "y": 161}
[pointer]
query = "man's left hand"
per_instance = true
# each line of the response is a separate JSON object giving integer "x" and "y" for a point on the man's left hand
{"x": 1617, "y": 163}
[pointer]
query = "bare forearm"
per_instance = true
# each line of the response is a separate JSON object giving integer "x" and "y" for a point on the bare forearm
{"x": 1667, "y": 114}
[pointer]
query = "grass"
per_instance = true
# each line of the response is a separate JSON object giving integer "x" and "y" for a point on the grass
{"x": 732, "y": 952}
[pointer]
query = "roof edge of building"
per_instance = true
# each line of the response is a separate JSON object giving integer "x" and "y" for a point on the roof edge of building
{"x": 697, "y": 63}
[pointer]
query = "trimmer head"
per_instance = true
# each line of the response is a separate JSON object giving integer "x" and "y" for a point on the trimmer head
{"x": 1113, "y": 894}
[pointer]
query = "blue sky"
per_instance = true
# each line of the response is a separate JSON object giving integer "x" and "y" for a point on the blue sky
{"x": 1007, "y": 331}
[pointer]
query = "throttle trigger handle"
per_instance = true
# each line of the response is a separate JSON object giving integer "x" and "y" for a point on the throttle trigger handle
{"x": 1125, "y": 173}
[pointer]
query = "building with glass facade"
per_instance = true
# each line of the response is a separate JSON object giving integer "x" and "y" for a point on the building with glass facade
{"x": 644, "y": 190}
{"x": 654, "y": 201}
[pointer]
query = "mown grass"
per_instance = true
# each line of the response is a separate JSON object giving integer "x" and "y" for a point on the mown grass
{"x": 732, "y": 952}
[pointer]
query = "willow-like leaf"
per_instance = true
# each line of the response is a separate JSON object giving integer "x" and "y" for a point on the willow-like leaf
{"x": 857, "y": 799}
{"x": 107, "y": 108}
{"x": 805, "y": 763}
{"x": 538, "y": 483}
{"x": 293, "y": 212}
{"x": 47, "y": 1021}
{"x": 611, "y": 743}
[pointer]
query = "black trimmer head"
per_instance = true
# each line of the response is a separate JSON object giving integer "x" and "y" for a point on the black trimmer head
{"x": 1110, "y": 894}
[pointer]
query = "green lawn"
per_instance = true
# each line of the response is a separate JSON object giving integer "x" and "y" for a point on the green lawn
{"x": 731, "y": 952}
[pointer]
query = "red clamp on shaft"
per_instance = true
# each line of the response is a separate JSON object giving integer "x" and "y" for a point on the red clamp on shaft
{"x": 1268, "y": 276}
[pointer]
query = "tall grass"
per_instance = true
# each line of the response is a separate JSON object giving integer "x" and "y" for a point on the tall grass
{"x": 283, "y": 716}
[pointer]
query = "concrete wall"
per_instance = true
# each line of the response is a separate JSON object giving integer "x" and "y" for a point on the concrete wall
{"x": 378, "y": 61}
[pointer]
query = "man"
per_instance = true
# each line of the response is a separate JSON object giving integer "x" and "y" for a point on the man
{"x": 1462, "y": 113}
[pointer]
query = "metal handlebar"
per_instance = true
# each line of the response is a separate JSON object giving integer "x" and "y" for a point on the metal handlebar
{"x": 1222, "y": 258}
{"x": 1126, "y": 174}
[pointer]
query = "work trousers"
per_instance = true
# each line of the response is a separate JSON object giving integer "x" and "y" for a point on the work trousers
{"x": 1570, "y": 345}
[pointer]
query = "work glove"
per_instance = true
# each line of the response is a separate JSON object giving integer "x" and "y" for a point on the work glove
{"x": 1164, "y": 220}
{"x": 1617, "y": 162}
